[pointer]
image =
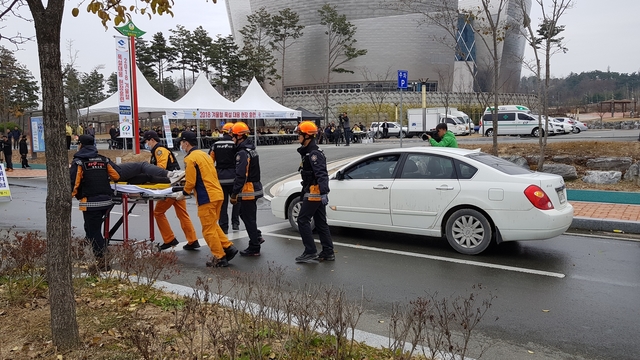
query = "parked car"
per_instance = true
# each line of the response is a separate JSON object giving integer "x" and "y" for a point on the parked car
{"x": 577, "y": 125}
{"x": 469, "y": 197}
{"x": 394, "y": 129}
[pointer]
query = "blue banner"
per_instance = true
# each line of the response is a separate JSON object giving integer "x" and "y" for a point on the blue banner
{"x": 37, "y": 134}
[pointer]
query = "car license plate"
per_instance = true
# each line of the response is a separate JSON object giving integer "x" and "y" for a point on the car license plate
{"x": 562, "y": 197}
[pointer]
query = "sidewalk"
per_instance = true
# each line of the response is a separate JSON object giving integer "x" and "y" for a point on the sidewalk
{"x": 596, "y": 216}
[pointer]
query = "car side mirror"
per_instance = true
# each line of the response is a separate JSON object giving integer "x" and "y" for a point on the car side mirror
{"x": 339, "y": 175}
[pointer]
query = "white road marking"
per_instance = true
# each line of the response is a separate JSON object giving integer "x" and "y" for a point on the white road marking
{"x": 438, "y": 258}
{"x": 235, "y": 235}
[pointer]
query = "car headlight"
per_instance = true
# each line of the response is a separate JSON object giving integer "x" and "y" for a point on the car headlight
{"x": 278, "y": 190}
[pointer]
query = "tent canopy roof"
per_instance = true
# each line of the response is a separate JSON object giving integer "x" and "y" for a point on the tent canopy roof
{"x": 308, "y": 115}
{"x": 203, "y": 95}
{"x": 149, "y": 101}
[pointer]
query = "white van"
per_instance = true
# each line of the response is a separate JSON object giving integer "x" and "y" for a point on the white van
{"x": 512, "y": 120}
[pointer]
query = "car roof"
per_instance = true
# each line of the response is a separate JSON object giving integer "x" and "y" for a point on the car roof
{"x": 429, "y": 150}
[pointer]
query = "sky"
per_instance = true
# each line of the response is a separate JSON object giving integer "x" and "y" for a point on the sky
{"x": 600, "y": 35}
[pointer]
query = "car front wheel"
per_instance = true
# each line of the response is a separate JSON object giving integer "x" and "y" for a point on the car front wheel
{"x": 468, "y": 232}
{"x": 489, "y": 133}
{"x": 537, "y": 132}
{"x": 576, "y": 130}
{"x": 404, "y": 134}
{"x": 293, "y": 211}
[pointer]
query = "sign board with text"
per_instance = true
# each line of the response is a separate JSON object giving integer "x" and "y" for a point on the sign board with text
{"x": 403, "y": 79}
{"x": 5, "y": 193}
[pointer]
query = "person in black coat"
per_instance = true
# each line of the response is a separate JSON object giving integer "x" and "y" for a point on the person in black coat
{"x": 24, "y": 150}
{"x": 5, "y": 144}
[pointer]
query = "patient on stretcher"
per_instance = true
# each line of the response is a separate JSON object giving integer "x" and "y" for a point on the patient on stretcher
{"x": 138, "y": 173}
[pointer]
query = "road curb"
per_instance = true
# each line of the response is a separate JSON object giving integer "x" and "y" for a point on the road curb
{"x": 609, "y": 225}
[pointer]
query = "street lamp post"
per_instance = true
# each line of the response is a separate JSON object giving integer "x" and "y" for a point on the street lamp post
{"x": 423, "y": 87}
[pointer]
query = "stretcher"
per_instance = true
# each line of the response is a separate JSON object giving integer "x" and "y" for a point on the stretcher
{"x": 128, "y": 196}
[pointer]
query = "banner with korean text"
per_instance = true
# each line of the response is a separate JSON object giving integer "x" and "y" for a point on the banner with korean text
{"x": 123, "y": 73}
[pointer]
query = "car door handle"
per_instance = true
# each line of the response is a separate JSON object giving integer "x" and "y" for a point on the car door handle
{"x": 380, "y": 187}
{"x": 444, "y": 187}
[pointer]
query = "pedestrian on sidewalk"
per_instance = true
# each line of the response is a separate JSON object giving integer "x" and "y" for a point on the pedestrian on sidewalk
{"x": 68, "y": 134}
{"x": 24, "y": 151}
{"x": 315, "y": 190}
{"x": 7, "y": 151}
{"x": 16, "y": 133}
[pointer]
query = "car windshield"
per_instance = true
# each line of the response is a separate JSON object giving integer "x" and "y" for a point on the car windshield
{"x": 499, "y": 164}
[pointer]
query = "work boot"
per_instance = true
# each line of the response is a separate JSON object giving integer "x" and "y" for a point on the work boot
{"x": 173, "y": 243}
{"x": 326, "y": 256}
{"x": 230, "y": 252}
{"x": 218, "y": 262}
{"x": 194, "y": 245}
{"x": 307, "y": 258}
{"x": 250, "y": 252}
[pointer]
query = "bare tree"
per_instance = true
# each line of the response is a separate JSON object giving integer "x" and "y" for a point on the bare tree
{"x": 545, "y": 42}
{"x": 377, "y": 95}
{"x": 489, "y": 23}
{"x": 284, "y": 30}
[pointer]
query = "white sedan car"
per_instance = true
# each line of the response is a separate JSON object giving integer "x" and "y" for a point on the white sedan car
{"x": 469, "y": 197}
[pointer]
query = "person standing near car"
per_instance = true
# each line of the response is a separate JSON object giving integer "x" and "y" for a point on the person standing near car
{"x": 163, "y": 158}
{"x": 315, "y": 190}
{"x": 202, "y": 179}
{"x": 247, "y": 188}
{"x": 385, "y": 129}
{"x": 223, "y": 153}
{"x": 447, "y": 138}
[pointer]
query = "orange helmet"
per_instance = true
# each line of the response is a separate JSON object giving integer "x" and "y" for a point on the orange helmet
{"x": 240, "y": 128}
{"x": 227, "y": 127}
{"x": 307, "y": 127}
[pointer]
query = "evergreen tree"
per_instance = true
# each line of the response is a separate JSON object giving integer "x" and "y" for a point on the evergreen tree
{"x": 256, "y": 52}
{"x": 163, "y": 57}
{"x": 181, "y": 41}
{"x": 284, "y": 30}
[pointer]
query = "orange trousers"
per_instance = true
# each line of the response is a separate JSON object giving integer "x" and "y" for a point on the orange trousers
{"x": 216, "y": 239}
{"x": 180, "y": 207}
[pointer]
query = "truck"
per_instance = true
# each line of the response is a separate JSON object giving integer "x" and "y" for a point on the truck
{"x": 434, "y": 116}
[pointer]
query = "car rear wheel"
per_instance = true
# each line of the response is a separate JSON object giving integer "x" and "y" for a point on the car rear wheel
{"x": 537, "y": 132}
{"x": 404, "y": 134}
{"x": 293, "y": 211}
{"x": 489, "y": 132}
{"x": 468, "y": 232}
{"x": 576, "y": 130}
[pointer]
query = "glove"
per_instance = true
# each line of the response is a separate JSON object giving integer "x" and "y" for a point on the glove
{"x": 233, "y": 199}
{"x": 325, "y": 199}
{"x": 178, "y": 195}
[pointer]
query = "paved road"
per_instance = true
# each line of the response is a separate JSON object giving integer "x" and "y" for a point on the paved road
{"x": 589, "y": 285}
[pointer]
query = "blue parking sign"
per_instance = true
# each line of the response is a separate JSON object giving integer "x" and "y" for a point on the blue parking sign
{"x": 403, "y": 76}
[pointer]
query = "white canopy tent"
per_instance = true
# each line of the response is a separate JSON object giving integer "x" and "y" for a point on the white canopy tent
{"x": 202, "y": 101}
{"x": 256, "y": 99}
{"x": 149, "y": 101}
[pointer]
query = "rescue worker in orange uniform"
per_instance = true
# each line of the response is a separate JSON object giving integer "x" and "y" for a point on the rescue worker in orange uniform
{"x": 90, "y": 173}
{"x": 247, "y": 187}
{"x": 202, "y": 179}
{"x": 163, "y": 158}
{"x": 315, "y": 190}
{"x": 223, "y": 153}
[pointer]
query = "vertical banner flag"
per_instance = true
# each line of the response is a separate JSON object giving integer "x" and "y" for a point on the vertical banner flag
{"x": 37, "y": 134}
{"x": 5, "y": 193}
{"x": 167, "y": 131}
{"x": 123, "y": 72}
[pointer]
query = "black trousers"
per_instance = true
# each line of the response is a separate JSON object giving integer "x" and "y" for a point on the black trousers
{"x": 25, "y": 162}
{"x": 93, "y": 229}
{"x": 347, "y": 135}
{"x": 249, "y": 215}
{"x": 7, "y": 159}
{"x": 224, "y": 213}
{"x": 68, "y": 142}
{"x": 317, "y": 211}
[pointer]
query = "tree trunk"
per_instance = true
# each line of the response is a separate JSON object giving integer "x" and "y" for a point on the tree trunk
{"x": 64, "y": 327}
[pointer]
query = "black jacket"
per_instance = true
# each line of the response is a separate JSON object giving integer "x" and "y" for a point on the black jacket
{"x": 313, "y": 168}
{"x": 24, "y": 150}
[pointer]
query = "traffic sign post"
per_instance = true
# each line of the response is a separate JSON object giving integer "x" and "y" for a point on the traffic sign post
{"x": 403, "y": 81}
